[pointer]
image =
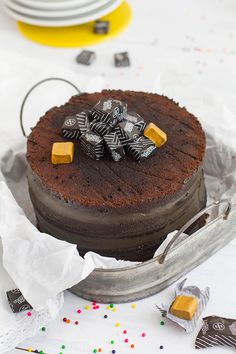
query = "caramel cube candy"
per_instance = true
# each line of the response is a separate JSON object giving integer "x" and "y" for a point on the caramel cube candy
{"x": 184, "y": 307}
{"x": 155, "y": 134}
{"x": 62, "y": 153}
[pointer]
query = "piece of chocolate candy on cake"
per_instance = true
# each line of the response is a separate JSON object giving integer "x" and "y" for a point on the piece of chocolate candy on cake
{"x": 109, "y": 111}
{"x": 137, "y": 120}
{"x": 141, "y": 148}
{"x": 114, "y": 146}
{"x": 92, "y": 144}
{"x": 100, "y": 128}
{"x": 127, "y": 132}
{"x": 74, "y": 126}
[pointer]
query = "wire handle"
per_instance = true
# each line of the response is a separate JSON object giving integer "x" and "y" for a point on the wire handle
{"x": 162, "y": 258}
{"x": 30, "y": 91}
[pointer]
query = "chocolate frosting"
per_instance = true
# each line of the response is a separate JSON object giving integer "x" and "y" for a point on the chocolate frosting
{"x": 122, "y": 209}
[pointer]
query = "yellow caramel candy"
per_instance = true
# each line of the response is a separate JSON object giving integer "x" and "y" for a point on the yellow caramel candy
{"x": 62, "y": 153}
{"x": 184, "y": 307}
{"x": 155, "y": 134}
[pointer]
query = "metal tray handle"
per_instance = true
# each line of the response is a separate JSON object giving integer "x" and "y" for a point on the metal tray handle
{"x": 226, "y": 212}
{"x": 32, "y": 89}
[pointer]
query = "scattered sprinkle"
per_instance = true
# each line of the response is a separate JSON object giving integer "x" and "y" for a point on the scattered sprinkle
{"x": 111, "y": 306}
{"x": 132, "y": 346}
{"x": 64, "y": 319}
{"x": 124, "y": 331}
{"x": 108, "y": 308}
{"x": 87, "y": 307}
{"x": 133, "y": 306}
{"x": 99, "y": 350}
{"x": 105, "y": 316}
{"x": 117, "y": 324}
{"x": 43, "y": 329}
{"x": 63, "y": 346}
{"x": 29, "y": 313}
{"x": 114, "y": 310}
{"x": 113, "y": 351}
{"x": 76, "y": 323}
{"x": 94, "y": 350}
{"x": 30, "y": 350}
{"x": 112, "y": 341}
{"x": 79, "y": 311}
{"x": 67, "y": 321}
{"x": 161, "y": 347}
{"x": 162, "y": 323}
{"x": 126, "y": 340}
{"x": 143, "y": 334}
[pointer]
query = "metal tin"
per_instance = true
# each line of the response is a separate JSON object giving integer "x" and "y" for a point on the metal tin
{"x": 148, "y": 278}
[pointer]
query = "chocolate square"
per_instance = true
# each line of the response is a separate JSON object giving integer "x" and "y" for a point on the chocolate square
{"x": 86, "y": 57}
{"x": 114, "y": 146}
{"x": 101, "y": 27}
{"x": 122, "y": 59}
{"x": 70, "y": 128}
{"x": 137, "y": 120}
{"x": 126, "y": 132}
{"x": 100, "y": 128}
{"x": 141, "y": 149}
{"x": 17, "y": 301}
{"x": 92, "y": 144}
{"x": 83, "y": 122}
{"x": 109, "y": 111}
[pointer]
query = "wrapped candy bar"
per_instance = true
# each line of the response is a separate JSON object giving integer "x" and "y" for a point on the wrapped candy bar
{"x": 17, "y": 301}
{"x": 86, "y": 57}
{"x": 187, "y": 306}
{"x": 217, "y": 331}
{"x": 74, "y": 126}
{"x": 92, "y": 145}
{"x": 141, "y": 149}
{"x": 137, "y": 120}
{"x": 109, "y": 111}
{"x": 126, "y": 132}
{"x": 101, "y": 27}
{"x": 122, "y": 59}
{"x": 70, "y": 128}
{"x": 100, "y": 128}
{"x": 62, "y": 152}
{"x": 114, "y": 146}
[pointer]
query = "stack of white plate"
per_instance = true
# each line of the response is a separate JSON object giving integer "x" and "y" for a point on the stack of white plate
{"x": 58, "y": 13}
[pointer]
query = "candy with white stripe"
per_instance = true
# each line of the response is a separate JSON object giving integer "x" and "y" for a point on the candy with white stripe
{"x": 141, "y": 149}
{"x": 114, "y": 146}
{"x": 92, "y": 145}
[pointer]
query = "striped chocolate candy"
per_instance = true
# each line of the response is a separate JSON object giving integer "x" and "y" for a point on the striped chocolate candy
{"x": 114, "y": 146}
{"x": 92, "y": 144}
{"x": 100, "y": 128}
{"x": 74, "y": 126}
{"x": 141, "y": 149}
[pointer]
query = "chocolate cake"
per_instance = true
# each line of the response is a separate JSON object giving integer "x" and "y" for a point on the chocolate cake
{"x": 120, "y": 209}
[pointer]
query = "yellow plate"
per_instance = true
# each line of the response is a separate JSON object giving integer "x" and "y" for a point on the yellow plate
{"x": 81, "y": 35}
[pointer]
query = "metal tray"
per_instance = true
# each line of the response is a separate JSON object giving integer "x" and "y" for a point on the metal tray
{"x": 148, "y": 278}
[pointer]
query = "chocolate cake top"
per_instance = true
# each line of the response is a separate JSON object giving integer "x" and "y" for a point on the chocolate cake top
{"x": 118, "y": 184}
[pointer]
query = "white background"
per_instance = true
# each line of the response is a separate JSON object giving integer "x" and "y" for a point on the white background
{"x": 185, "y": 49}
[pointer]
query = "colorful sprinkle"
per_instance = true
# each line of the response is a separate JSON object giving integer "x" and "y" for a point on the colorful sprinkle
{"x": 76, "y": 323}
{"x": 132, "y": 346}
{"x": 29, "y": 313}
{"x": 143, "y": 334}
{"x": 79, "y": 311}
{"x": 87, "y": 307}
{"x": 162, "y": 323}
{"x": 111, "y": 306}
{"x": 64, "y": 319}
{"x": 43, "y": 329}
{"x": 112, "y": 341}
{"x": 67, "y": 321}
{"x": 114, "y": 310}
{"x": 63, "y": 346}
{"x": 126, "y": 340}
{"x": 99, "y": 350}
{"x": 94, "y": 303}
{"x": 113, "y": 351}
{"x": 105, "y": 316}
{"x": 117, "y": 324}
{"x": 124, "y": 331}
{"x": 133, "y": 306}
{"x": 161, "y": 347}
{"x": 30, "y": 350}
{"x": 94, "y": 350}
{"x": 41, "y": 352}
{"x": 108, "y": 308}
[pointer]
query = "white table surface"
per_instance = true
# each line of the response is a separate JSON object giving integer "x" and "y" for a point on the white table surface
{"x": 185, "y": 49}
